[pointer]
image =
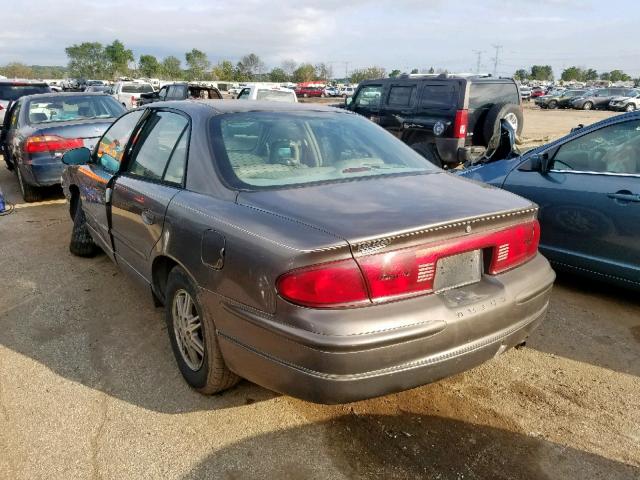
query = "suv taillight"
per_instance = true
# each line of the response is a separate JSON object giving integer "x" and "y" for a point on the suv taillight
{"x": 51, "y": 143}
{"x": 460, "y": 124}
{"x": 403, "y": 273}
{"x": 134, "y": 102}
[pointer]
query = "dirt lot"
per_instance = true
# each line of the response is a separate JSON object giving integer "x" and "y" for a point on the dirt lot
{"x": 89, "y": 388}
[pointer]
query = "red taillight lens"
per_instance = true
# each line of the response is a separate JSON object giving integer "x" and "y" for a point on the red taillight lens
{"x": 51, "y": 143}
{"x": 134, "y": 102}
{"x": 332, "y": 284}
{"x": 514, "y": 246}
{"x": 460, "y": 124}
{"x": 402, "y": 273}
{"x": 1, "y": 107}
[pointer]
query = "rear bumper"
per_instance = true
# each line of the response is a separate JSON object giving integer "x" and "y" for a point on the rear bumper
{"x": 371, "y": 351}
{"x": 43, "y": 173}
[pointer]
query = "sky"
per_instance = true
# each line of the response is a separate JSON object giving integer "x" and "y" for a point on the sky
{"x": 348, "y": 34}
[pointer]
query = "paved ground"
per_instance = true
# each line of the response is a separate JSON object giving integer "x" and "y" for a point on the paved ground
{"x": 89, "y": 389}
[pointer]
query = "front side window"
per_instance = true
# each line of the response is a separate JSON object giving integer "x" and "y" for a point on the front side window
{"x": 612, "y": 149}
{"x": 66, "y": 108}
{"x": 369, "y": 96}
{"x": 257, "y": 150}
{"x": 159, "y": 139}
{"x": 110, "y": 149}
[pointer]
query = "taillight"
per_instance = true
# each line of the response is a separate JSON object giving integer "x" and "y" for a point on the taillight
{"x": 405, "y": 272}
{"x": 1, "y": 107}
{"x": 134, "y": 102}
{"x": 332, "y": 284}
{"x": 51, "y": 143}
{"x": 460, "y": 124}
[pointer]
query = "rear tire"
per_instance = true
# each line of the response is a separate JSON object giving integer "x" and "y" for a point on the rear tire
{"x": 81, "y": 243}
{"x": 428, "y": 151}
{"x": 500, "y": 111}
{"x": 207, "y": 373}
{"x": 29, "y": 192}
{"x": 587, "y": 106}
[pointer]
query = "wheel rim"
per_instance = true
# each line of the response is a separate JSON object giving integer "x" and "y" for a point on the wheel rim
{"x": 187, "y": 328}
{"x": 587, "y": 106}
{"x": 512, "y": 120}
{"x": 630, "y": 108}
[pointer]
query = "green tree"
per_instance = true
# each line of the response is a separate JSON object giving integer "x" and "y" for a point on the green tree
{"x": 251, "y": 66}
{"x": 521, "y": 74}
{"x": 86, "y": 60}
{"x": 278, "y": 75}
{"x": 589, "y": 74}
{"x": 17, "y": 70}
{"x": 542, "y": 72}
{"x": 171, "y": 69}
{"x": 118, "y": 58}
{"x": 149, "y": 66}
{"x": 370, "y": 73}
{"x": 198, "y": 64}
{"x": 415, "y": 70}
{"x": 572, "y": 74}
{"x": 304, "y": 73}
{"x": 619, "y": 76}
{"x": 606, "y": 76}
{"x": 224, "y": 71}
{"x": 395, "y": 73}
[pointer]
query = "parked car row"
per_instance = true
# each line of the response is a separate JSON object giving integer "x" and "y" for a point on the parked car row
{"x": 615, "y": 98}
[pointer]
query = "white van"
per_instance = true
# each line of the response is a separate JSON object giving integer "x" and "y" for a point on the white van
{"x": 273, "y": 94}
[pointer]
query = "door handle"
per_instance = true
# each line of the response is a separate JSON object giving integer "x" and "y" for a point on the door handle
{"x": 624, "y": 196}
{"x": 148, "y": 217}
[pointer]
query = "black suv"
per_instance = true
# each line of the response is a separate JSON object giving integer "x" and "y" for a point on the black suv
{"x": 449, "y": 119}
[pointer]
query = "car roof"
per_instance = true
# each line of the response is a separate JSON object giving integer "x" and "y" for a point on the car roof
{"x": 196, "y": 107}
{"x": 440, "y": 78}
{"x": 25, "y": 83}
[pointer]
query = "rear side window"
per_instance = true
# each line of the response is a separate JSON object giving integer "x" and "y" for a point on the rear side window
{"x": 484, "y": 95}
{"x": 14, "y": 92}
{"x": 137, "y": 88}
{"x": 440, "y": 97}
{"x": 401, "y": 95}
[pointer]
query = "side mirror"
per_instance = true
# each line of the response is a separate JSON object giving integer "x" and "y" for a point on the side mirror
{"x": 540, "y": 162}
{"x": 77, "y": 156}
{"x": 348, "y": 101}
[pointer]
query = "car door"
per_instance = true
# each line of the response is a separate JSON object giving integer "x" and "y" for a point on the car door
{"x": 590, "y": 200}
{"x": 400, "y": 106}
{"x": 162, "y": 94}
{"x": 7, "y": 136}
{"x": 95, "y": 178}
{"x": 143, "y": 189}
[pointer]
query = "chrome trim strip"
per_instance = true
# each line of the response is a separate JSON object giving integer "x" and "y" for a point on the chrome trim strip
{"x": 587, "y": 172}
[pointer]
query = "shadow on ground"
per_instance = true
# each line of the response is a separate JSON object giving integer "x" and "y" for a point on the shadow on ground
{"x": 592, "y": 322}
{"x": 402, "y": 447}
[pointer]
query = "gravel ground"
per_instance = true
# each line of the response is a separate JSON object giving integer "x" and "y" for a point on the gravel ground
{"x": 89, "y": 388}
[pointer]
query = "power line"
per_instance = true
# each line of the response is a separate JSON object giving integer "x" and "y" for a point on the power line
{"x": 496, "y": 59}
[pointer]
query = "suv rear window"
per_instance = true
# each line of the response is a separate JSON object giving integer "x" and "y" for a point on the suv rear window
{"x": 440, "y": 97}
{"x": 482, "y": 94}
{"x": 401, "y": 95}
{"x": 137, "y": 88}
{"x": 14, "y": 92}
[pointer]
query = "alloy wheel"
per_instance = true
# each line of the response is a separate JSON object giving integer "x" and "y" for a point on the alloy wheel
{"x": 187, "y": 327}
{"x": 512, "y": 120}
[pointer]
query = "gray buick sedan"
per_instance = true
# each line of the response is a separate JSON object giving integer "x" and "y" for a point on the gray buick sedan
{"x": 307, "y": 249}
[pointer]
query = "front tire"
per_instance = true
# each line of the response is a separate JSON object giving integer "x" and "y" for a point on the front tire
{"x": 193, "y": 337}
{"x": 29, "y": 192}
{"x": 630, "y": 108}
{"x": 553, "y": 104}
{"x": 81, "y": 243}
{"x": 587, "y": 106}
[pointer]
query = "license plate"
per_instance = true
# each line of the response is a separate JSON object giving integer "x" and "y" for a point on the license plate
{"x": 458, "y": 270}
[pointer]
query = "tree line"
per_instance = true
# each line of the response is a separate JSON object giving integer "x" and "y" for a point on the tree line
{"x": 545, "y": 73}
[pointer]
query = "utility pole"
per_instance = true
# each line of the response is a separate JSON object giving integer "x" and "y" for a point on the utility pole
{"x": 346, "y": 70}
{"x": 496, "y": 59}
{"x": 479, "y": 54}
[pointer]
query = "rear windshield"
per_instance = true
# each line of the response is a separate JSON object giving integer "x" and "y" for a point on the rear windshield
{"x": 276, "y": 96}
{"x": 439, "y": 97}
{"x": 485, "y": 95}
{"x": 65, "y": 108}
{"x": 14, "y": 92}
{"x": 259, "y": 150}
{"x": 137, "y": 88}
